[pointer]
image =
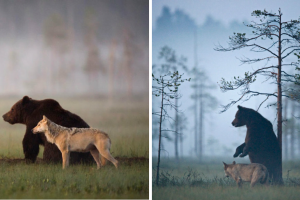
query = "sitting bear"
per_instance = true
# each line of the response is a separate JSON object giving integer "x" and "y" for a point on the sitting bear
{"x": 261, "y": 143}
{"x": 29, "y": 112}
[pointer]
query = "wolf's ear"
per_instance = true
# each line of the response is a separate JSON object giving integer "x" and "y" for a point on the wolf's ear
{"x": 239, "y": 107}
{"x": 233, "y": 162}
{"x": 225, "y": 165}
{"x": 44, "y": 117}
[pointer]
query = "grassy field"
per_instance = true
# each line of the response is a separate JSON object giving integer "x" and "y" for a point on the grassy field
{"x": 126, "y": 122}
{"x": 189, "y": 179}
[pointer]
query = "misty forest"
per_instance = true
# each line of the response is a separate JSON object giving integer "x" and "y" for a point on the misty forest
{"x": 72, "y": 47}
{"x": 226, "y": 66}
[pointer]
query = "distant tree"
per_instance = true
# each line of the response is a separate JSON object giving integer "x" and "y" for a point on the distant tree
{"x": 285, "y": 130}
{"x": 166, "y": 87}
{"x": 56, "y": 38}
{"x": 204, "y": 103}
{"x": 93, "y": 65}
{"x": 112, "y": 61}
{"x": 284, "y": 40}
{"x": 129, "y": 49}
{"x": 173, "y": 62}
{"x": 182, "y": 126}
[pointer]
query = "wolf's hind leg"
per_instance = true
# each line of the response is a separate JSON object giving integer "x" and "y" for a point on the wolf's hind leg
{"x": 106, "y": 154}
{"x": 103, "y": 160}
{"x": 96, "y": 156}
{"x": 255, "y": 178}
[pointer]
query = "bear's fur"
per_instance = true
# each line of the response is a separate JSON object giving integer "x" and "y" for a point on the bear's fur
{"x": 261, "y": 143}
{"x": 29, "y": 112}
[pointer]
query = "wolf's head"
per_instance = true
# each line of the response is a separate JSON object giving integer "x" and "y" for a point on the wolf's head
{"x": 42, "y": 126}
{"x": 227, "y": 168}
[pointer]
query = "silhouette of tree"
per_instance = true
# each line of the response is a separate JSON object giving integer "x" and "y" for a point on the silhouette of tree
{"x": 284, "y": 40}
{"x": 166, "y": 88}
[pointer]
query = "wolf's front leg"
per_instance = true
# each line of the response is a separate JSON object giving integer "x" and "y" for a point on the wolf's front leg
{"x": 239, "y": 150}
{"x": 65, "y": 158}
{"x": 96, "y": 156}
{"x": 239, "y": 182}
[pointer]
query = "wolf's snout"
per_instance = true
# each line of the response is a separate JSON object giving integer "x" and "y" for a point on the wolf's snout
{"x": 233, "y": 123}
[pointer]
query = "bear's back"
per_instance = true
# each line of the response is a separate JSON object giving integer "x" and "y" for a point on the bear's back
{"x": 52, "y": 110}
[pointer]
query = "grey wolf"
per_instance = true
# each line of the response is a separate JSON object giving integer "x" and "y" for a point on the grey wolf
{"x": 252, "y": 173}
{"x": 76, "y": 139}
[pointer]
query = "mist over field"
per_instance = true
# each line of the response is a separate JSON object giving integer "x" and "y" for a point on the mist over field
{"x": 67, "y": 47}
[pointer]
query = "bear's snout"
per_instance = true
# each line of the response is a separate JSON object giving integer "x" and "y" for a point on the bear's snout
{"x": 233, "y": 123}
{"x": 5, "y": 117}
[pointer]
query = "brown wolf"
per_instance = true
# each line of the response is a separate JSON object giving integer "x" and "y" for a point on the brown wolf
{"x": 76, "y": 139}
{"x": 253, "y": 173}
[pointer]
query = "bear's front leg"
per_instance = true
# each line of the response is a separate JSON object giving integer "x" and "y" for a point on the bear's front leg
{"x": 51, "y": 153}
{"x": 239, "y": 150}
{"x": 30, "y": 146}
{"x": 245, "y": 150}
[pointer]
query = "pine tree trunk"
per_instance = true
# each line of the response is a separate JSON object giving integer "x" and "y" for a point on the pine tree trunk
{"x": 176, "y": 129}
{"x": 181, "y": 140}
{"x": 292, "y": 150}
{"x": 285, "y": 133}
{"x": 196, "y": 118}
{"x": 159, "y": 137}
{"x": 201, "y": 123}
{"x": 196, "y": 94}
{"x": 279, "y": 101}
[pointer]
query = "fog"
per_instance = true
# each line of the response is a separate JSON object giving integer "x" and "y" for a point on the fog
{"x": 174, "y": 24}
{"x": 74, "y": 48}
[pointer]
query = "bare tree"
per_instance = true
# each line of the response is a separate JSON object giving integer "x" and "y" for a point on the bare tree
{"x": 284, "y": 40}
{"x": 166, "y": 88}
{"x": 173, "y": 62}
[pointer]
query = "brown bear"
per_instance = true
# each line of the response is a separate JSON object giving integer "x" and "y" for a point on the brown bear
{"x": 29, "y": 112}
{"x": 261, "y": 143}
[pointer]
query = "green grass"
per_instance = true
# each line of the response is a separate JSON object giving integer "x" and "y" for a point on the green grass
{"x": 127, "y": 124}
{"x": 50, "y": 181}
{"x": 189, "y": 179}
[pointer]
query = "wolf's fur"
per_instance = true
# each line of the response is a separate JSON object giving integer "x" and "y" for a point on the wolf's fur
{"x": 76, "y": 139}
{"x": 253, "y": 173}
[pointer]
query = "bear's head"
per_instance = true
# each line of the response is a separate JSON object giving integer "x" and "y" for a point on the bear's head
{"x": 241, "y": 117}
{"x": 18, "y": 112}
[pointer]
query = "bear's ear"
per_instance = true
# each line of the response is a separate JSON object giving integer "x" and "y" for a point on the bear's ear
{"x": 240, "y": 107}
{"x": 25, "y": 100}
{"x": 233, "y": 162}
